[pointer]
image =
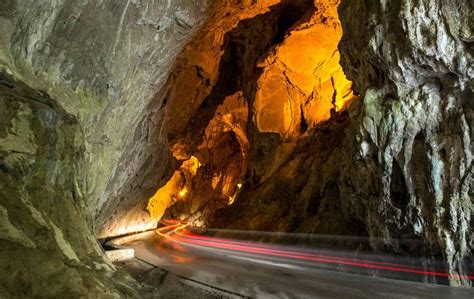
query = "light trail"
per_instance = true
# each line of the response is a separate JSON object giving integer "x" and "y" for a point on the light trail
{"x": 268, "y": 247}
{"x": 175, "y": 232}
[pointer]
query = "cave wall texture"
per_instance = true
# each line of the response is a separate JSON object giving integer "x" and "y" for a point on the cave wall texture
{"x": 398, "y": 165}
{"x": 279, "y": 59}
{"x": 241, "y": 107}
{"x": 413, "y": 136}
{"x": 80, "y": 134}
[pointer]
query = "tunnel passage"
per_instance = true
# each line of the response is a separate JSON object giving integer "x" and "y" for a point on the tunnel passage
{"x": 253, "y": 113}
{"x": 275, "y": 72}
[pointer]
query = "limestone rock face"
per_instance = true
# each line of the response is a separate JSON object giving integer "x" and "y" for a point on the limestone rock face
{"x": 80, "y": 135}
{"x": 302, "y": 80}
{"x": 209, "y": 94}
{"x": 46, "y": 245}
{"x": 103, "y": 62}
{"x": 413, "y": 62}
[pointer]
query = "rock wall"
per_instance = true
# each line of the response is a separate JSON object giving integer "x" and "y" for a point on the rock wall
{"x": 208, "y": 93}
{"x": 46, "y": 245}
{"x": 413, "y": 62}
{"x": 398, "y": 165}
{"x": 80, "y": 135}
{"x": 280, "y": 60}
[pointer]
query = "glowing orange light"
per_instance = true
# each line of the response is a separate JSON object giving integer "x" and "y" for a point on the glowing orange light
{"x": 183, "y": 192}
{"x": 166, "y": 195}
{"x": 135, "y": 227}
{"x": 191, "y": 166}
{"x": 301, "y": 84}
{"x": 302, "y": 77}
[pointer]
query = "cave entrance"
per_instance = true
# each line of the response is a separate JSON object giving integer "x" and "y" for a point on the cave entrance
{"x": 213, "y": 175}
{"x": 276, "y": 72}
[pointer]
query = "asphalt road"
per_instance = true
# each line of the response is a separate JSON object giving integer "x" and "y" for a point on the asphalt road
{"x": 272, "y": 272}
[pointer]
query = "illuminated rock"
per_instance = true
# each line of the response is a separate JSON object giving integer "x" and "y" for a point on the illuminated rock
{"x": 302, "y": 79}
{"x": 280, "y": 56}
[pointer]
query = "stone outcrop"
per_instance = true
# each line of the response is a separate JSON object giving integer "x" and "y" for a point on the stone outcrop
{"x": 413, "y": 63}
{"x": 396, "y": 166}
{"x": 80, "y": 135}
{"x": 46, "y": 245}
{"x": 302, "y": 81}
{"x": 210, "y": 90}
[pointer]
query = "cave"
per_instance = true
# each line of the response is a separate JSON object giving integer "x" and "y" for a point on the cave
{"x": 244, "y": 148}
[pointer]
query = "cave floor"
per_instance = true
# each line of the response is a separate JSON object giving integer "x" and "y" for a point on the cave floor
{"x": 159, "y": 283}
{"x": 200, "y": 270}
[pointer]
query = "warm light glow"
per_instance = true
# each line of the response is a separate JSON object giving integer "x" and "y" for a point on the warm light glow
{"x": 301, "y": 84}
{"x": 215, "y": 181}
{"x": 175, "y": 188}
{"x": 303, "y": 77}
{"x": 183, "y": 192}
{"x": 231, "y": 200}
{"x": 163, "y": 198}
{"x": 191, "y": 166}
{"x": 135, "y": 227}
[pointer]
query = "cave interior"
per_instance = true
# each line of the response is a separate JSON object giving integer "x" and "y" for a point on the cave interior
{"x": 322, "y": 118}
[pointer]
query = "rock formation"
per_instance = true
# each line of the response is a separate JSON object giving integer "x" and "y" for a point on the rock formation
{"x": 399, "y": 165}
{"x": 80, "y": 134}
{"x": 413, "y": 137}
{"x": 240, "y": 114}
{"x": 280, "y": 59}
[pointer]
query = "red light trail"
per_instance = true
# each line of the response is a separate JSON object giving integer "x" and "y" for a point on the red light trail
{"x": 176, "y": 233}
